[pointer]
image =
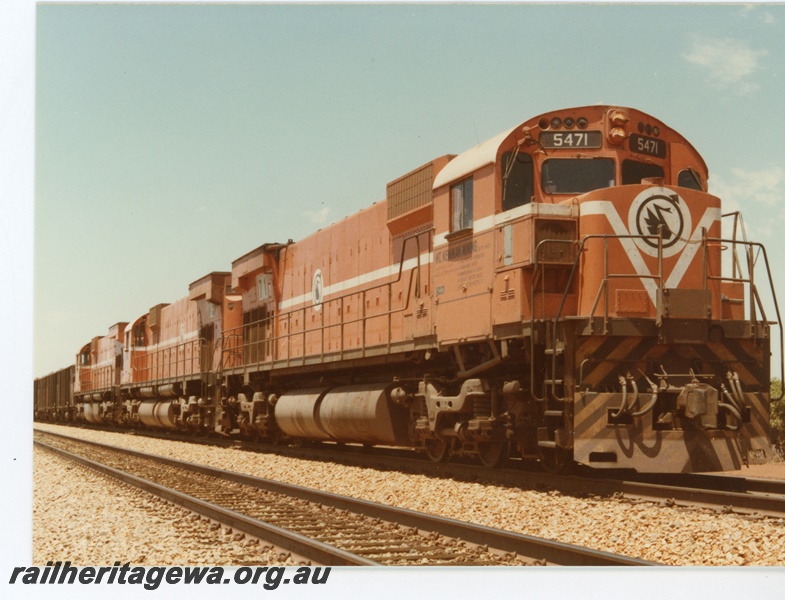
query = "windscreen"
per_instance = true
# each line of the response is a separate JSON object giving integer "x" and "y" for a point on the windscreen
{"x": 577, "y": 175}
{"x": 633, "y": 171}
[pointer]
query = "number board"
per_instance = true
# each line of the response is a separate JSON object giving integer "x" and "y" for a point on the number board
{"x": 646, "y": 145}
{"x": 571, "y": 139}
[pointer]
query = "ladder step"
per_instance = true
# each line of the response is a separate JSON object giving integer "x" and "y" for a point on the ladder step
{"x": 554, "y": 413}
{"x": 552, "y": 381}
{"x": 557, "y": 351}
{"x": 546, "y": 444}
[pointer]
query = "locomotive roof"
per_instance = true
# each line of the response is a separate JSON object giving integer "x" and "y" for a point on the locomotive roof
{"x": 210, "y": 275}
{"x": 471, "y": 160}
{"x": 486, "y": 152}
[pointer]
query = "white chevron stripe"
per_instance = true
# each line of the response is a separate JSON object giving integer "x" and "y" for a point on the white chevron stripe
{"x": 606, "y": 208}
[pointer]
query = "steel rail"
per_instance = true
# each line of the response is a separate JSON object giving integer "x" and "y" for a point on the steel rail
{"x": 755, "y": 503}
{"x": 743, "y": 495}
{"x": 538, "y": 549}
{"x": 719, "y": 483}
{"x": 299, "y": 544}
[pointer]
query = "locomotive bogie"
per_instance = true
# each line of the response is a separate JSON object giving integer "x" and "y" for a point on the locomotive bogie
{"x": 476, "y": 420}
{"x": 255, "y": 417}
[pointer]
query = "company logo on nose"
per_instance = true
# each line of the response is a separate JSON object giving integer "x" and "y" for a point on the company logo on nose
{"x": 656, "y": 212}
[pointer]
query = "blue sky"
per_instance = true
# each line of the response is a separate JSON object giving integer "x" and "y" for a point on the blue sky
{"x": 171, "y": 140}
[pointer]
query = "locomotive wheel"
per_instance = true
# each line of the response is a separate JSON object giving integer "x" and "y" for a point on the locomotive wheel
{"x": 437, "y": 450}
{"x": 556, "y": 460}
{"x": 491, "y": 454}
{"x": 275, "y": 435}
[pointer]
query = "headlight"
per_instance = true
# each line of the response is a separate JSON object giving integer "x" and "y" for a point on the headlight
{"x": 618, "y": 118}
{"x": 617, "y": 135}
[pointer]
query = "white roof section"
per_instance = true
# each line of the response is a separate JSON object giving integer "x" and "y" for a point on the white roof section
{"x": 471, "y": 160}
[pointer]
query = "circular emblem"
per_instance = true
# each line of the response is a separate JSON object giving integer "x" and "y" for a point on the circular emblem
{"x": 660, "y": 211}
{"x": 317, "y": 289}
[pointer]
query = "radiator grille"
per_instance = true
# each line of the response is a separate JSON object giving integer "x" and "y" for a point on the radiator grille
{"x": 410, "y": 192}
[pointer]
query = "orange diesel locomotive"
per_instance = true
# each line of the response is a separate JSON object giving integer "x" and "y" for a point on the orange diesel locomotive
{"x": 561, "y": 292}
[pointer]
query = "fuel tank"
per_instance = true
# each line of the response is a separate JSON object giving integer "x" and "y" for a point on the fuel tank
{"x": 158, "y": 414}
{"x": 297, "y": 414}
{"x": 92, "y": 413}
{"x": 355, "y": 413}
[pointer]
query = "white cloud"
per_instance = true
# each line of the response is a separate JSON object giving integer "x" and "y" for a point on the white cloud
{"x": 319, "y": 216}
{"x": 748, "y": 9}
{"x": 757, "y": 195}
{"x": 728, "y": 62}
{"x": 766, "y": 186}
{"x": 746, "y": 190}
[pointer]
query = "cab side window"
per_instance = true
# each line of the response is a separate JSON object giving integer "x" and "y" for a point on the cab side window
{"x": 690, "y": 178}
{"x": 462, "y": 205}
{"x": 517, "y": 180}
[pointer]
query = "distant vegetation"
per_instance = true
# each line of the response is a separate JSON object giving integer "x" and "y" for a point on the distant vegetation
{"x": 778, "y": 418}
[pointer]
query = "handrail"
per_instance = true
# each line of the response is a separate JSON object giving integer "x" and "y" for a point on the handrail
{"x": 602, "y": 288}
{"x": 737, "y": 276}
{"x": 754, "y": 291}
{"x": 413, "y": 288}
{"x": 158, "y": 367}
{"x": 532, "y": 319}
{"x": 738, "y": 224}
{"x": 93, "y": 378}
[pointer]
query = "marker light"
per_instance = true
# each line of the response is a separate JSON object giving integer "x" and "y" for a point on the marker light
{"x": 583, "y": 123}
{"x": 556, "y": 122}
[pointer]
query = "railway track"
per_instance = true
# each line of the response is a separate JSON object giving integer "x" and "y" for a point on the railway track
{"x": 722, "y": 493}
{"x": 718, "y": 482}
{"x": 324, "y": 527}
{"x": 746, "y": 496}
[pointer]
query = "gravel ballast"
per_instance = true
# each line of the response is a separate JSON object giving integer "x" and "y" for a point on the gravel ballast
{"x": 92, "y": 519}
{"x": 663, "y": 534}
